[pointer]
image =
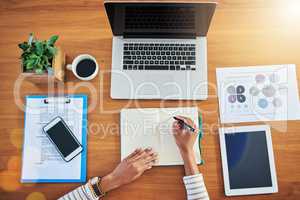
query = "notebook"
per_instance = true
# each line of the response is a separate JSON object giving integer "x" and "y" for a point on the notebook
{"x": 41, "y": 161}
{"x": 152, "y": 127}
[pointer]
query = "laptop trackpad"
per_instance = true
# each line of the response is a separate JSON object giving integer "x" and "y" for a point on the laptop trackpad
{"x": 156, "y": 86}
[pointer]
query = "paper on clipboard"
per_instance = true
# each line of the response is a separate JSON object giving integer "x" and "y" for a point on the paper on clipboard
{"x": 41, "y": 161}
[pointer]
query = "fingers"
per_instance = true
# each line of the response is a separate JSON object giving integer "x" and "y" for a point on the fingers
{"x": 138, "y": 155}
{"x": 143, "y": 154}
{"x": 138, "y": 150}
{"x": 149, "y": 165}
{"x": 145, "y": 158}
{"x": 187, "y": 121}
{"x": 150, "y": 162}
{"x": 151, "y": 158}
{"x": 177, "y": 125}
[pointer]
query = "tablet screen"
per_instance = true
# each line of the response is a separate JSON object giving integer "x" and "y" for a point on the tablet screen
{"x": 248, "y": 160}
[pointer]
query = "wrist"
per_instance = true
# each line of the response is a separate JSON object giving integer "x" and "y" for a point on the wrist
{"x": 109, "y": 182}
{"x": 190, "y": 164}
{"x": 187, "y": 154}
{"x": 186, "y": 151}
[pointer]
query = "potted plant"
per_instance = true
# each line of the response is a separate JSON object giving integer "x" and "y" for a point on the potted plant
{"x": 41, "y": 61}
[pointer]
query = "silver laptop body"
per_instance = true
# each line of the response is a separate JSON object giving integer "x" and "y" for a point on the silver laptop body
{"x": 159, "y": 50}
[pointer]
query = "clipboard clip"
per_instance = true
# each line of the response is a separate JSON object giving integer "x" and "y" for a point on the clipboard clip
{"x": 57, "y": 100}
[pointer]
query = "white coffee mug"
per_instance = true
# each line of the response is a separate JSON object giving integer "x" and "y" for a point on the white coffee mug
{"x": 76, "y": 61}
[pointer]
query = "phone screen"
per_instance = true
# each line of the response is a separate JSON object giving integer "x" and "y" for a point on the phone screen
{"x": 61, "y": 136}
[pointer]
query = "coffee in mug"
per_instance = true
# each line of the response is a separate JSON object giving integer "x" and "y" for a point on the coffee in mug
{"x": 84, "y": 67}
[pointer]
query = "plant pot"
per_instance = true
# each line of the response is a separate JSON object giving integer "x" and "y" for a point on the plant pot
{"x": 58, "y": 74}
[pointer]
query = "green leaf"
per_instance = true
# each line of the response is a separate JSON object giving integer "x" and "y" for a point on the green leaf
{"x": 45, "y": 61}
{"x": 32, "y": 56}
{"x": 39, "y": 71}
{"x": 29, "y": 64}
{"x": 37, "y": 61}
{"x": 25, "y": 62}
{"x": 39, "y": 48}
{"x": 52, "y": 40}
{"x": 39, "y": 65}
{"x": 45, "y": 58}
{"x": 37, "y": 54}
{"x": 52, "y": 52}
{"x": 24, "y": 55}
{"x": 24, "y": 46}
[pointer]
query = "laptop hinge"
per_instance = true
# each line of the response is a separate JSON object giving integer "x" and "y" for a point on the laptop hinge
{"x": 160, "y": 35}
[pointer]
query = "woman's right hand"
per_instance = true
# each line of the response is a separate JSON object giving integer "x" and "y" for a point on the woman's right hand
{"x": 185, "y": 139}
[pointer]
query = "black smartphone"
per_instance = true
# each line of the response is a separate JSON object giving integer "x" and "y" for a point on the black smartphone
{"x": 63, "y": 139}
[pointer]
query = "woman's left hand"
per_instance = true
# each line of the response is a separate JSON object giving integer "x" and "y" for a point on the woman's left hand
{"x": 130, "y": 169}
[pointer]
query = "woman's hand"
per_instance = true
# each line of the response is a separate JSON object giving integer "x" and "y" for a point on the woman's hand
{"x": 130, "y": 169}
{"x": 185, "y": 139}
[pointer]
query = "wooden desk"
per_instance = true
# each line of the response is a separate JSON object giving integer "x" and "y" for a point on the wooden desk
{"x": 242, "y": 33}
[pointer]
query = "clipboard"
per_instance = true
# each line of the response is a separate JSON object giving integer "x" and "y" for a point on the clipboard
{"x": 35, "y": 172}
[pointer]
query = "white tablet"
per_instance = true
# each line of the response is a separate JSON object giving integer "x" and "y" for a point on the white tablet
{"x": 248, "y": 160}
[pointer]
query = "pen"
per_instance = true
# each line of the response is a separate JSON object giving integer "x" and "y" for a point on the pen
{"x": 185, "y": 125}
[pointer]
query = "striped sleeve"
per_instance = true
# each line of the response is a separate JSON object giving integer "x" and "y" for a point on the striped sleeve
{"x": 83, "y": 192}
{"x": 195, "y": 187}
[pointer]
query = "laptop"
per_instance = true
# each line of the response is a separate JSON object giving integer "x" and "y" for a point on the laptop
{"x": 159, "y": 49}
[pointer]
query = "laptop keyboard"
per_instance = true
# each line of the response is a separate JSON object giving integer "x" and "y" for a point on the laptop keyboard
{"x": 159, "y": 56}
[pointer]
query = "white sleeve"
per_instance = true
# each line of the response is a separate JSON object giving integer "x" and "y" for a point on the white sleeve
{"x": 195, "y": 187}
{"x": 81, "y": 193}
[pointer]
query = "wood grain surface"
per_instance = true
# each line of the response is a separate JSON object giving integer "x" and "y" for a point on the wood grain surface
{"x": 243, "y": 33}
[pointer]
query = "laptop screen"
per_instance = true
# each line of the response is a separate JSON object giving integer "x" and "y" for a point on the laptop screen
{"x": 160, "y": 19}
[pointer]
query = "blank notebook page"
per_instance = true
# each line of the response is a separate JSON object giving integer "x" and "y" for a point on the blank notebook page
{"x": 152, "y": 127}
